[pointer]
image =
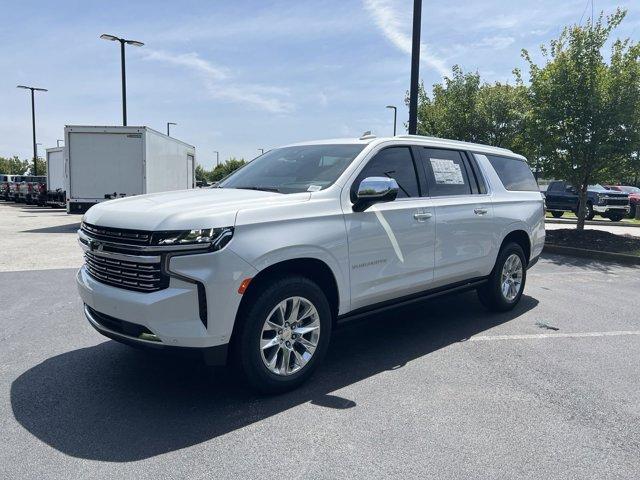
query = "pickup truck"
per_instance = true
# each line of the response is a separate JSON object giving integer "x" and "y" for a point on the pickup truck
{"x": 563, "y": 197}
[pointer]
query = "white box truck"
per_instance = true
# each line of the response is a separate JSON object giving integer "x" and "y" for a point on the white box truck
{"x": 103, "y": 163}
{"x": 56, "y": 194}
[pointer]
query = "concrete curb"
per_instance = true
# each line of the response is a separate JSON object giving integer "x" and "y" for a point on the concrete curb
{"x": 591, "y": 222}
{"x": 594, "y": 254}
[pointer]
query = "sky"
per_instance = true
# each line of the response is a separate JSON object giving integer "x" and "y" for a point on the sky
{"x": 241, "y": 75}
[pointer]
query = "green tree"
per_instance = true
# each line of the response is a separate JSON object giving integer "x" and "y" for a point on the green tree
{"x": 219, "y": 171}
{"x": 14, "y": 165}
{"x": 583, "y": 108}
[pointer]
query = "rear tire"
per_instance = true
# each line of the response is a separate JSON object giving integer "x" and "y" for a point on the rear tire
{"x": 265, "y": 322}
{"x": 505, "y": 285}
{"x": 557, "y": 214}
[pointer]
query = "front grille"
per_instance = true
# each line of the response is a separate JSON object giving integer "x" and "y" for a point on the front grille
{"x": 617, "y": 201}
{"x": 140, "y": 277}
{"x": 117, "y": 235}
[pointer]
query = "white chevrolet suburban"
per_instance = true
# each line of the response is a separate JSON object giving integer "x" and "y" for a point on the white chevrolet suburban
{"x": 258, "y": 270}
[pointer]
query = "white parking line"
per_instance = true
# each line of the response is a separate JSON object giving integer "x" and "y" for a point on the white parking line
{"x": 485, "y": 338}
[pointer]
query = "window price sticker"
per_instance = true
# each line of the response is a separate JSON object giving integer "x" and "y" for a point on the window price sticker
{"x": 446, "y": 172}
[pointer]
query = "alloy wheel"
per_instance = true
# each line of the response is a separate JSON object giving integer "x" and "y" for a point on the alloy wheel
{"x": 290, "y": 336}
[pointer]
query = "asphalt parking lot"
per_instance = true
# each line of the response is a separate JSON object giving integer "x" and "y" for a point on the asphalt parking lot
{"x": 439, "y": 390}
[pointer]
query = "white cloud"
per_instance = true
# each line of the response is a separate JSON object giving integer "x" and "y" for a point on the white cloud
{"x": 496, "y": 42}
{"x": 220, "y": 84}
{"x": 393, "y": 26}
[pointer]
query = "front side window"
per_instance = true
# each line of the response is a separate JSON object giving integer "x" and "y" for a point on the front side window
{"x": 446, "y": 172}
{"x": 515, "y": 174}
{"x": 396, "y": 163}
{"x": 306, "y": 168}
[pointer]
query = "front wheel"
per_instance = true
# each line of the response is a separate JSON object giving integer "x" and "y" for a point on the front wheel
{"x": 616, "y": 217}
{"x": 557, "y": 214}
{"x": 506, "y": 283}
{"x": 284, "y": 336}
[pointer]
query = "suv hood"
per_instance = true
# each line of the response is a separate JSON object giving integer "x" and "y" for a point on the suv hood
{"x": 184, "y": 209}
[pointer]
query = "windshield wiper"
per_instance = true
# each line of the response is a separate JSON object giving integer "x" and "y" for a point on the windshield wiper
{"x": 262, "y": 189}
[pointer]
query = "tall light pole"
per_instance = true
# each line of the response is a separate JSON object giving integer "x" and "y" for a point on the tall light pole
{"x": 415, "y": 68}
{"x": 395, "y": 114}
{"x": 33, "y": 123}
{"x": 168, "y": 125}
{"x": 122, "y": 41}
{"x": 217, "y": 157}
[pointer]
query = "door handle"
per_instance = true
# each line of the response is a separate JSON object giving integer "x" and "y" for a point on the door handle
{"x": 480, "y": 211}
{"x": 422, "y": 216}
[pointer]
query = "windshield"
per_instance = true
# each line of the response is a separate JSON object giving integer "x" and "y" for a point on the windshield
{"x": 597, "y": 186}
{"x": 307, "y": 168}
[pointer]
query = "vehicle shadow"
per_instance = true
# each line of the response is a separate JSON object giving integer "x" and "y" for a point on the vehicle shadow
{"x": 67, "y": 228}
{"x": 112, "y": 403}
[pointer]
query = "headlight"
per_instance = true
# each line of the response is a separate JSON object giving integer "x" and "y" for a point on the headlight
{"x": 216, "y": 238}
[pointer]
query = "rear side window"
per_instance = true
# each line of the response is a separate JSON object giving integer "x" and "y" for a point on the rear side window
{"x": 446, "y": 172}
{"x": 396, "y": 163}
{"x": 514, "y": 174}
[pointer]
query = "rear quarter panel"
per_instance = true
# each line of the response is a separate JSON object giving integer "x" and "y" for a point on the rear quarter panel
{"x": 514, "y": 210}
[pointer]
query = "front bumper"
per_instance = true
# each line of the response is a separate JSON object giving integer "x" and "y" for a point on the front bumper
{"x": 173, "y": 314}
{"x": 108, "y": 326}
{"x": 611, "y": 208}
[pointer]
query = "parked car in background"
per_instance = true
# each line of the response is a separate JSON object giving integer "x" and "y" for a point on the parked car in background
{"x": 14, "y": 187}
{"x": 32, "y": 190}
{"x": 634, "y": 196}
{"x": 259, "y": 269}
{"x": 563, "y": 197}
{"x": 5, "y": 181}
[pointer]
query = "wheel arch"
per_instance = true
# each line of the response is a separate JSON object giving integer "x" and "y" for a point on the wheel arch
{"x": 314, "y": 269}
{"x": 521, "y": 237}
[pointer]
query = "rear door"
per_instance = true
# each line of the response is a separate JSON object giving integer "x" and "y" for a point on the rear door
{"x": 464, "y": 216}
{"x": 190, "y": 170}
{"x": 105, "y": 163}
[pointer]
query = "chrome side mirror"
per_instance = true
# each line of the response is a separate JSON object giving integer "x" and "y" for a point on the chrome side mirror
{"x": 375, "y": 190}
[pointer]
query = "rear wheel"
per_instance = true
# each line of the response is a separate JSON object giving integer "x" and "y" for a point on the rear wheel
{"x": 284, "y": 336}
{"x": 506, "y": 283}
{"x": 557, "y": 214}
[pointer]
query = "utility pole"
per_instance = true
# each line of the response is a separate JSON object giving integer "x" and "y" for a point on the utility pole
{"x": 33, "y": 123}
{"x": 415, "y": 68}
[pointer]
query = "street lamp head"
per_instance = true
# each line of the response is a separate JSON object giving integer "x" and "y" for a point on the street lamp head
{"x": 135, "y": 43}
{"x": 171, "y": 123}
{"x": 113, "y": 38}
{"x": 390, "y": 106}
{"x": 33, "y": 88}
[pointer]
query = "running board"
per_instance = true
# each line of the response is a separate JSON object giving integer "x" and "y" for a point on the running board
{"x": 411, "y": 299}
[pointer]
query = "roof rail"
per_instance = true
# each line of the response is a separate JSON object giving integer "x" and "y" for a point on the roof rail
{"x": 456, "y": 142}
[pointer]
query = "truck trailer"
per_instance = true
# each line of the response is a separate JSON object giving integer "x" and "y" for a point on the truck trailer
{"x": 56, "y": 195}
{"x": 103, "y": 163}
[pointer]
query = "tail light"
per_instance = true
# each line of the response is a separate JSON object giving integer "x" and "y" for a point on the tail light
{"x": 42, "y": 188}
{"x": 29, "y": 187}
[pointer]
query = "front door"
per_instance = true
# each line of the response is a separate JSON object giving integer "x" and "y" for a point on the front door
{"x": 391, "y": 245}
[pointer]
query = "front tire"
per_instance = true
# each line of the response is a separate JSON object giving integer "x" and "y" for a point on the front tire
{"x": 284, "y": 336}
{"x": 557, "y": 214}
{"x": 616, "y": 217}
{"x": 505, "y": 285}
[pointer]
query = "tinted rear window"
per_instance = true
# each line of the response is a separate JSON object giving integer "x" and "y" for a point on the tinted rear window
{"x": 515, "y": 174}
